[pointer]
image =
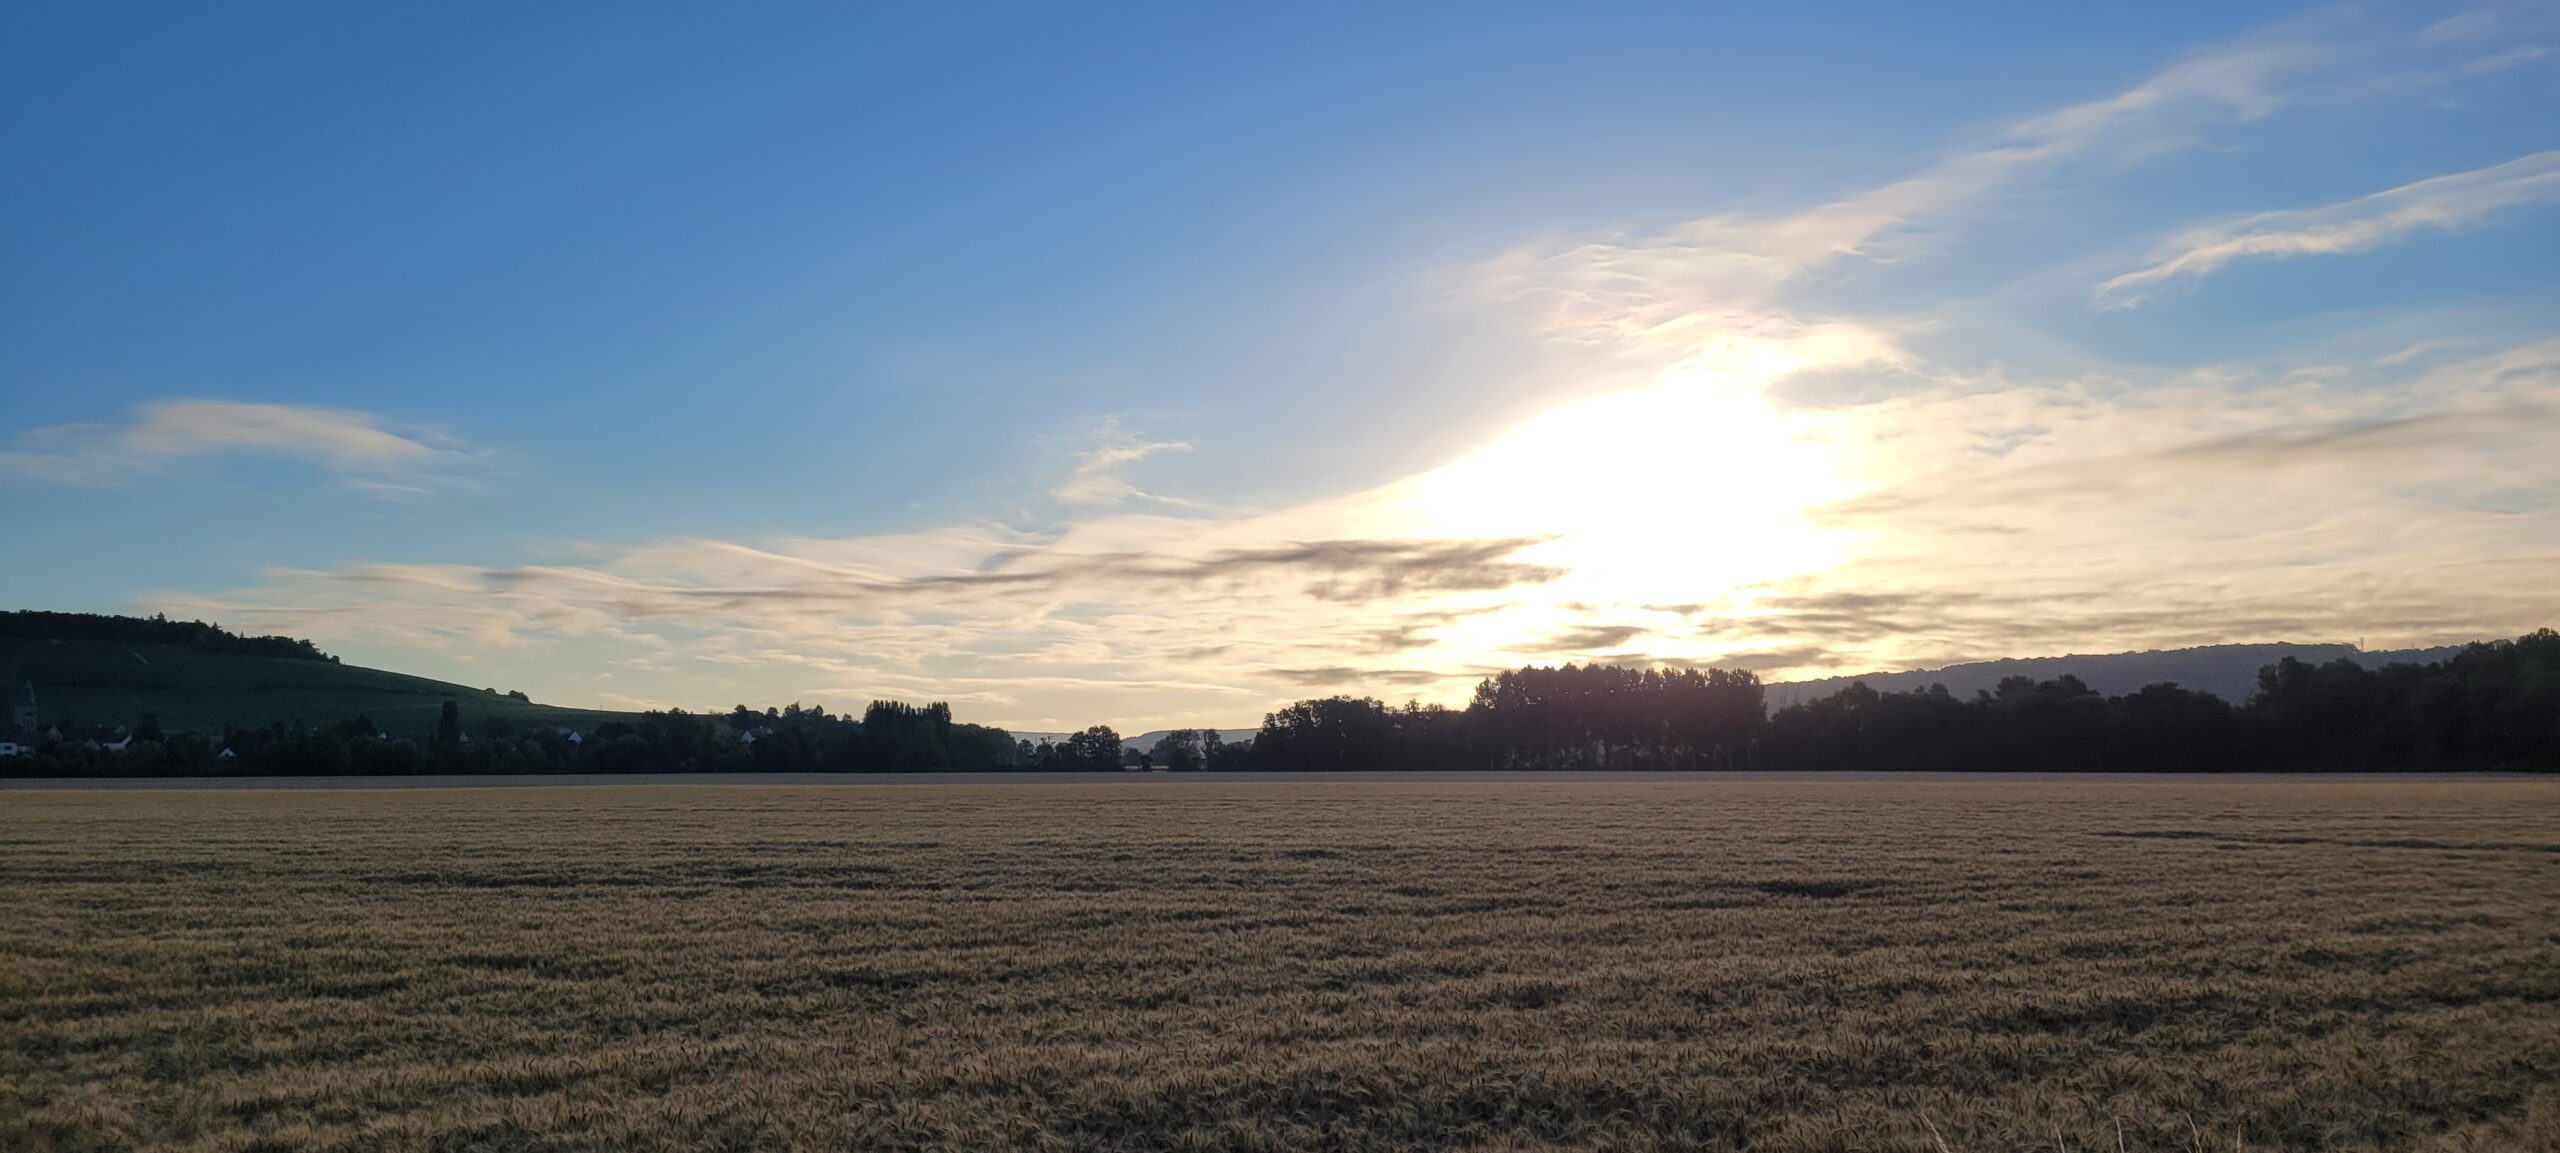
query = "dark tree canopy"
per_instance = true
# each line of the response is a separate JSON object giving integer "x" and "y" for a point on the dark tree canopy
{"x": 1096, "y": 750}
{"x": 2490, "y": 706}
{"x": 30, "y": 624}
{"x": 2494, "y": 705}
{"x": 1189, "y": 750}
{"x": 1606, "y": 717}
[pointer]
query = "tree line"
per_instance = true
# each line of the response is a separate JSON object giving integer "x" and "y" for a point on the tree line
{"x": 2491, "y": 706}
{"x": 32, "y": 624}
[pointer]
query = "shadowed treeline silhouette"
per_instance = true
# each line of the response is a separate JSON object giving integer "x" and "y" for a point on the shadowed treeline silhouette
{"x": 31, "y": 624}
{"x": 1574, "y": 717}
{"x": 2489, "y": 706}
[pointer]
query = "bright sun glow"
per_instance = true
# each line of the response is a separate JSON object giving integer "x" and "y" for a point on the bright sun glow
{"x": 1678, "y": 493}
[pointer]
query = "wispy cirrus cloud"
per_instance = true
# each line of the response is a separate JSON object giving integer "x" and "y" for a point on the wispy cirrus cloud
{"x": 1101, "y": 471}
{"x": 1015, "y": 624}
{"x": 1728, "y": 285}
{"x": 2443, "y": 204}
{"x": 365, "y": 450}
{"x": 2422, "y": 349}
{"x": 2476, "y": 24}
{"x": 2193, "y": 509}
{"x": 2506, "y": 58}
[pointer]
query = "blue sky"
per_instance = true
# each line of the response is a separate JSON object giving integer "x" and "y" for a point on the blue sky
{"x": 1153, "y": 365}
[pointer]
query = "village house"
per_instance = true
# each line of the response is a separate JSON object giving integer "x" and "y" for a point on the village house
{"x": 20, "y": 738}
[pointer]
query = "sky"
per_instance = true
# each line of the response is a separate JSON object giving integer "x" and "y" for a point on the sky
{"x": 1155, "y": 365}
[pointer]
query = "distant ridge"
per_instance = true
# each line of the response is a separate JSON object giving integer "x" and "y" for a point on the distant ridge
{"x": 1143, "y": 742}
{"x": 1146, "y": 742}
{"x": 196, "y": 677}
{"x": 190, "y": 689}
{"x": 2226, "y": 671}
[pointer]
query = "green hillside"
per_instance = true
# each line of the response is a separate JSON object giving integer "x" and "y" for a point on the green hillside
{"x": 189, "y": 690}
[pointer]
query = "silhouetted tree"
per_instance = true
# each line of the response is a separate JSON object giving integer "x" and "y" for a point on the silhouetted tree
{"x": 1333, "y": 734}
{"x": 446, "y": 743}
{"x": 1096, "y": 749}
{"x": 1188, "y": 750}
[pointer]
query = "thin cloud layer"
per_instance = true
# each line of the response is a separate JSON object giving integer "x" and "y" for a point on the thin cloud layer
{"x": 2392, "y": 508}
{"x": 1101, "y": 472}
{"x": 1115, "y": 606}
{"x": 2444, "y": 203}
{"x": 355, "y": 445}
{"x": 1732, "y": 286}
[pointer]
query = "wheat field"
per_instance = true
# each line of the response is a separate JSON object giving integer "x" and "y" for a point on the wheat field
{"x": 1791, "y": 965}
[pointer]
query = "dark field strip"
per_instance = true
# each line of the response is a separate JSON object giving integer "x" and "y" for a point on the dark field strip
{"x": 1785, "y": 965}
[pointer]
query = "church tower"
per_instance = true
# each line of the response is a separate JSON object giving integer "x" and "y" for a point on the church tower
{"x": 23, "y": 715}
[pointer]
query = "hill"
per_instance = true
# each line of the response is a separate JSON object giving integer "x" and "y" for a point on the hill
{"x": 1146, "y": 742}
{"x": 2226, "y": 671}
{"x": 1143, "y": 742}
{"x": 189, "y": 689}
{"x": 196, "y": 677}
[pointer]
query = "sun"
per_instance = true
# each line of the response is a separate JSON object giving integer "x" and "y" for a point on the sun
{"x": 1677, "y": 493}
